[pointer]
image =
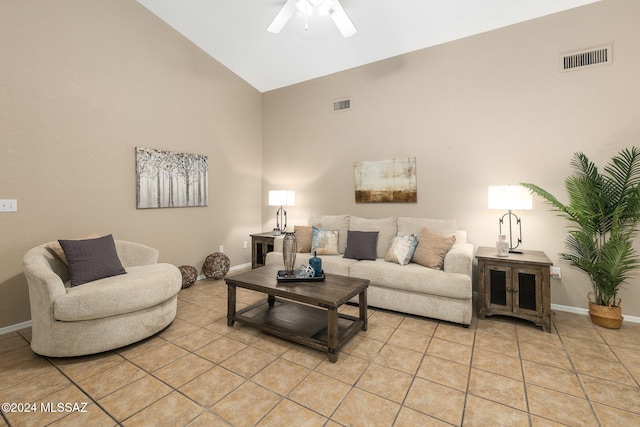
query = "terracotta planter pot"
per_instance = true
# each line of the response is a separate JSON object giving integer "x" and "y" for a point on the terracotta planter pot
{"x": 606, "y": 316}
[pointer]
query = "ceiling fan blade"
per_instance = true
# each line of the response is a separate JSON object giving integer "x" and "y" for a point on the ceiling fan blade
{"x": 341, "y": 19}
{"x": 282, "y": 17}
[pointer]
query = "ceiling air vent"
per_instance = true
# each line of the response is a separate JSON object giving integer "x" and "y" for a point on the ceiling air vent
{"x": 586, "y": 58}
{"x": 342, "y": 105}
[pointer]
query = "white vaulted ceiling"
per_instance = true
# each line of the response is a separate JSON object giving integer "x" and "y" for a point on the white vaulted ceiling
{"x": 234, "y": 32}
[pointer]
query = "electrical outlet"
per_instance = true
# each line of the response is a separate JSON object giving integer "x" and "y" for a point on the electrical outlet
{"x": 244, "y": 245}
{"x": 221, "y": 249}
{"x": 556, "y": 273}
{"x": 8, "y": 205}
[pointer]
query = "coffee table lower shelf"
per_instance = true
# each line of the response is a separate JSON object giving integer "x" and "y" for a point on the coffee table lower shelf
{"x": 299, "y": 323}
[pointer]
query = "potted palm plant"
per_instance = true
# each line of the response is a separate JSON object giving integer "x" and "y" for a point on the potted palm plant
{"x": 603, "y": 210}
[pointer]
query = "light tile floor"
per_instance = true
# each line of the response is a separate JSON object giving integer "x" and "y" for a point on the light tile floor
{"x": 403, "y": 371}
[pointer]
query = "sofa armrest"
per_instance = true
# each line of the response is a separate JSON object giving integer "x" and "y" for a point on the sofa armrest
{"x": 459, "y": 259}
{"x": 461, "y": 236}
{"x": 132, "y": 254}
{"x": 45, "y": 274}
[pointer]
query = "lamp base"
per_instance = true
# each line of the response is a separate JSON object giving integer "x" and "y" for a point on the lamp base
{"x": 512, "y": 248}
{"x": 281, "y": 222}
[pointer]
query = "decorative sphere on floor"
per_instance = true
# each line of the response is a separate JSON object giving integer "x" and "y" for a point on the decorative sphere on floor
{"x": 216, "y": 266}
{"x": 189, "y": 275}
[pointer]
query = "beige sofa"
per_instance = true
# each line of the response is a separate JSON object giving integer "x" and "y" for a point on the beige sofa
{"x": 440, "y": 294}
{"x": 103, "y": 314}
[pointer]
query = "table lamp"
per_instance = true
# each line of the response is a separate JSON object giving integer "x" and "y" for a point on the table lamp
{"x": 510, "y": 198}
{"x": 281, "y": 198}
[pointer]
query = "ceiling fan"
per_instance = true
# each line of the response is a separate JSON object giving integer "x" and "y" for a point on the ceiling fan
{"x": 333, "y": 8}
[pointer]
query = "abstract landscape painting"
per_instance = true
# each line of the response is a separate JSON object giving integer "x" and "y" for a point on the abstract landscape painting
{"x": 390, "y": 181}
{"x": 168, "y": 179}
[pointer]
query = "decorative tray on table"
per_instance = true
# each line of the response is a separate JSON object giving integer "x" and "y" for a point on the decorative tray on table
{"x": 298, "y": 277}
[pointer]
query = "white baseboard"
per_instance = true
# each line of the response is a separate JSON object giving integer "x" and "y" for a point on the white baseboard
{"x": 234, "y": 268}
{"x": 15, "y": 327}
{"x": 569, "y": 309}
{"x": 240, "y": 267}
{"x": 585, "y": 311}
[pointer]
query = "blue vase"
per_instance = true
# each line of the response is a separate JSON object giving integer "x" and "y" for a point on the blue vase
{"x": 316, "y": 263}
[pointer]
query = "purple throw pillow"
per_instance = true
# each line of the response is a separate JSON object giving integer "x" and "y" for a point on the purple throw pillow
{"x": 91, "y": 259}
{"x": 361, "y": 245}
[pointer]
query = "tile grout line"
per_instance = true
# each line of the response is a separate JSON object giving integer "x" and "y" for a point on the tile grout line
{"x": 413, "y": 380}
{"x": 83, "y": 391}
{"x": 579, "y": 377}
{"x": 466, "y": 392}
{"x": 71, "y": 381}
{"x": 524, "y": 378}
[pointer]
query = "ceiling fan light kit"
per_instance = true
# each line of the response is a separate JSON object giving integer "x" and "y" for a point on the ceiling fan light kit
{"x": 333, "y": 8}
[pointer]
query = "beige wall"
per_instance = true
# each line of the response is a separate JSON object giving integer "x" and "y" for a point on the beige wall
{"x": 82, "y": 83}
{"x": 487, "y": 110}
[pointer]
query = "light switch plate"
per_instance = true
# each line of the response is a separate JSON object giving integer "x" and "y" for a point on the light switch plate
{"x": 8, "y": 205}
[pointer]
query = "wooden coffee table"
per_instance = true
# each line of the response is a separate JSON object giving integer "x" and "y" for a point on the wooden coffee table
{"x": 291, "y": 311}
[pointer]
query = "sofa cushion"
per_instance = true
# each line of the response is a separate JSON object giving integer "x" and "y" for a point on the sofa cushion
{"x": 444, "y": 227}
{"x": 413, "y": 278}
{"x": 304, "y": 236}
{"x": 333, "y": 222}
{"x": 324, "y": 242}
{"x": 337, "y": 264}
{"x": 401, "y": 250}
{"x": 386, "y": 227}
{"x": 91, "y": 259}
{"x": 143, "y": 287}
{"x": 361, "y": 245}
{"x": 432, "y": 248}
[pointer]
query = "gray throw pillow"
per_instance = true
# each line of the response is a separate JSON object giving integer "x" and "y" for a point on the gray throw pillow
{"x": 91, "y": 259}
{"x": 361, "y": 245}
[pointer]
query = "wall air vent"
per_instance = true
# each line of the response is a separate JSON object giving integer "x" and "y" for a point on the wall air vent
{"x": 586, "y": 58}
{"x": 342, "y": 105}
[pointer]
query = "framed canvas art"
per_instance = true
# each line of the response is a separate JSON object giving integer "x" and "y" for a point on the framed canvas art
{"x": 390, "y": 181}
{"x": 169, "y": 179}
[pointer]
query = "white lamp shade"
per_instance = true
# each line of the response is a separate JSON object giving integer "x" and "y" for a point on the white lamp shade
{"x": 510, "y": 197}
{"x": 282, "y": 198}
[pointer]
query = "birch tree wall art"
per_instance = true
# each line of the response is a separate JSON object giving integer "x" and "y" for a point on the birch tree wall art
{"x": 167, "y": 179}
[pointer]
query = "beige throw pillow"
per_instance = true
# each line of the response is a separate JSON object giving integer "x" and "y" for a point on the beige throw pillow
{"x": 303, "y": 236}
{"x": 432, "y": 249}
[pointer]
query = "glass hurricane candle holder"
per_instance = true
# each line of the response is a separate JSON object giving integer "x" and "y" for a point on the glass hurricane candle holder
{"x": 289, "y": 249}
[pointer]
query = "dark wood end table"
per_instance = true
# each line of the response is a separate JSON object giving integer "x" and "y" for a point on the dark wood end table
{"x": 517, "y": 285}
{"x": 261, "y": 245}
